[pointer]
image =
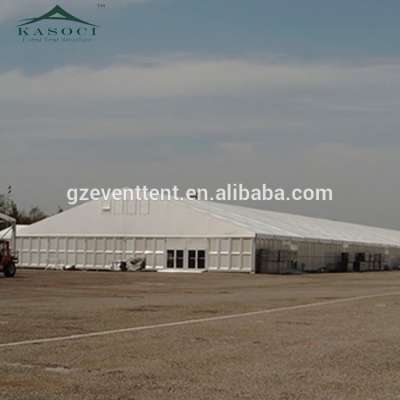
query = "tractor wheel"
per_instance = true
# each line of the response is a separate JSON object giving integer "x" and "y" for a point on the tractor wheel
{"x": 10, "y": 270}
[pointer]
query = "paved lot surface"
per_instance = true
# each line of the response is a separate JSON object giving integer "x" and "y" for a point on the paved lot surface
{"x": 343, "y": 350}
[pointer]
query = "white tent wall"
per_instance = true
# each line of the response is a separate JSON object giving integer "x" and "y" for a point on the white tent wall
{"x": 311, "y": 255}
{"x": 222, "y": 253}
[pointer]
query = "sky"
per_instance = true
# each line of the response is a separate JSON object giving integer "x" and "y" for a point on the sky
{"x": 206, "y": 92}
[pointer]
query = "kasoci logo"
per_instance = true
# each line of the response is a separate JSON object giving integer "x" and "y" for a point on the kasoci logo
{"x": 56, "y": 25}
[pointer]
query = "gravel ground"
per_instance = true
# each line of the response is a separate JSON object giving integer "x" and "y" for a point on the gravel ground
{"x": 347, "y": 350}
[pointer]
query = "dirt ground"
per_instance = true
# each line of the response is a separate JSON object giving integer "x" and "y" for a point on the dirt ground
{"x": 333, "y": 350}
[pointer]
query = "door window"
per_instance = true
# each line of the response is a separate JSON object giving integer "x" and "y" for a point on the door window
{"x": 192, "y": 259}
{"x": 170, "y": 259}
{"x": 201, "y": 259}
{"x": 197, "y": 259}
{"x": 179, "y": 258}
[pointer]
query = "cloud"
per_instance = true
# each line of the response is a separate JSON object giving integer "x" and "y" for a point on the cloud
{"x": 189, "y": 96}
{"x": 190, "y": 77}
{"x": 182, "y": 78}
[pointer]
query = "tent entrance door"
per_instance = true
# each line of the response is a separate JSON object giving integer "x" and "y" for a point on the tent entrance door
{"x": 196, "y": 259}
{"x": 193, "y": 259}
{"x": 175, "y": 259}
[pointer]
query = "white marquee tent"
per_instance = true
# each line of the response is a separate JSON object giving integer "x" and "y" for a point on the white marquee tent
{"x": 199, "y": 235}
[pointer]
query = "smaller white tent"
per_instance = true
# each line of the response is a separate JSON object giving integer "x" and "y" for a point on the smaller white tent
{"x": 6, "y": 234}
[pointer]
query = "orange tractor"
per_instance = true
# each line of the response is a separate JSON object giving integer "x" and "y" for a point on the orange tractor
{"x": 8, "y": 254}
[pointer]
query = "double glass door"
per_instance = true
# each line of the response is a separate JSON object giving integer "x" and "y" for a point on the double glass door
{"x": 191, "y": 259}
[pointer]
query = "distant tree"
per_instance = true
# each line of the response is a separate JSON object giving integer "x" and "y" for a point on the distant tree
{"x": 13, "y": 210}
{"x": 9, "y": 207}
{"x": 2, "y": 203}
{"x": 3, "y": 209}
{"x": 36, "y": 214}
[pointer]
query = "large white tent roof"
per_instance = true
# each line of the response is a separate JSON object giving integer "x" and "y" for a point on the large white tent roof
{"x": 277, "y": 224}
{"x": 201, "y": 218}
